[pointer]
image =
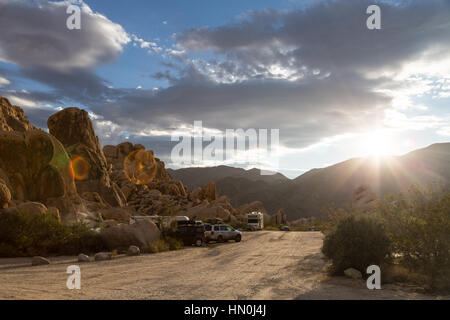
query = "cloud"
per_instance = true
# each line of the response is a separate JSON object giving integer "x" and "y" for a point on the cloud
{"x": 40, "y": 38}
{"x": 4, "y": 82}
{"x": 34, "y": 37}
{"x": 314, "y": 73}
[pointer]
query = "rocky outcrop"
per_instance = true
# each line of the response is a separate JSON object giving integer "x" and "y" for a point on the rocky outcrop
{"x": 207, "y": 192}
{"x": 12, "y": 118}
{"x": 140, "y": 234}
{"x": 89, "y": 167}
{"x": 144, "y": 181}
{"x": 35, "y": 167}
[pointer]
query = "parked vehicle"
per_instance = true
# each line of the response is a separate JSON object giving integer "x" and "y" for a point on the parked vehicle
{"x": 221, "y": 233}
{"x": 191, "y": 234}
{"x": 255, "y": 220}
{"x": 284, "y": 228}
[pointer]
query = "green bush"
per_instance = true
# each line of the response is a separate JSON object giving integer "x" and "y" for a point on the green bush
{"x": 419, "y": 226}
{"x": 24, "y": 234}
{"x": 356, "y": 242}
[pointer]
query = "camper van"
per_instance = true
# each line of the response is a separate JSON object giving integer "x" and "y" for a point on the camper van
{"x": 255, "y": 220}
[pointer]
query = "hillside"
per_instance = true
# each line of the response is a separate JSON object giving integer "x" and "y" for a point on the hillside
{"x": 310, "y": 193}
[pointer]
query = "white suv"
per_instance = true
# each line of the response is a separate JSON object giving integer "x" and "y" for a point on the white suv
{"x": 221, "y": 233}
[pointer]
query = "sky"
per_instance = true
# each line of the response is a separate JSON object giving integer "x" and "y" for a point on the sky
{"x": 145, "y": 70}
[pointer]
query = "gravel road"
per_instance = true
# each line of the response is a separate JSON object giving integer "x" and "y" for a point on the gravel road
{"x": 264, "y": 265}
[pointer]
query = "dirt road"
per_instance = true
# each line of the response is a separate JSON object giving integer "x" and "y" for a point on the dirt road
{"x": 265, "y": 265}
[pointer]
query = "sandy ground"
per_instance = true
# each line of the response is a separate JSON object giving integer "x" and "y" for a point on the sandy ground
{"x": 265, "y": 265}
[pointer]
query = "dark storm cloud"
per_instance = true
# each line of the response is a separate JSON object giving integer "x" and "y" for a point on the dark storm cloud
{"x": 331, "y": 36}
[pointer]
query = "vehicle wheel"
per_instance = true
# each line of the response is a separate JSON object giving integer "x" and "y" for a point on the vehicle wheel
{"x": 199, "y": 242}
{"x": 238, "y": 238}
{"x": 220, "y": 239}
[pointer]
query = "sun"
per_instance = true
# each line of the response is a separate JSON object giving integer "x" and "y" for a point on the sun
{"x": 378, "y": 144}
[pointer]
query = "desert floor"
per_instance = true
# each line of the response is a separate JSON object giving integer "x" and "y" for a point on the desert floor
{"x": 265, "y": 265}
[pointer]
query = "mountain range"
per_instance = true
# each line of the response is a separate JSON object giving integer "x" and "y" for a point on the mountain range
{"x": 310, "y": 193}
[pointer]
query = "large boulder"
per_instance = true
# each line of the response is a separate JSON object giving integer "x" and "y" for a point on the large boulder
{"x": 35, "y": 167}
{"x": 74, "y": 129}
{"x": 122, "y": 215}
{"x": 140, "y": 234}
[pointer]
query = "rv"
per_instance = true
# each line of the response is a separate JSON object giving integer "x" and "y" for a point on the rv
{"x": 255, "y": 220}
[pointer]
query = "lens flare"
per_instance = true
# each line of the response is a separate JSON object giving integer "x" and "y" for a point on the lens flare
{"x": 140, "y": 166}
{"x": 79, "y": 168}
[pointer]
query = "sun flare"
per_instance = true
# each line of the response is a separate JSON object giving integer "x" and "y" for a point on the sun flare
{"x": 378, "y": 144}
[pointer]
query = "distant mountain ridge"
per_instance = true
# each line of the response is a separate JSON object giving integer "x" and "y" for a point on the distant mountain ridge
{"x": 308, "y": 194}
{"x": 199, "y": 176}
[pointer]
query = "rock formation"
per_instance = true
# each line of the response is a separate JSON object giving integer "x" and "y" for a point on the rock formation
{"x": 160, "y": 194}
{"x": 67, "y": 174}
{"x": 74, "y": 129}
{"x": 12, "y": 118}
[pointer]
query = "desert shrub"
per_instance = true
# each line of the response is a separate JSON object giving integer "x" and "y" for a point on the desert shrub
{"x": 356, "y": 242}
{"x": 174, "y": 243}
{"x": 24, "y": 234}
{"x": 419, "y": 227}
{"x": 159, "y": 245}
